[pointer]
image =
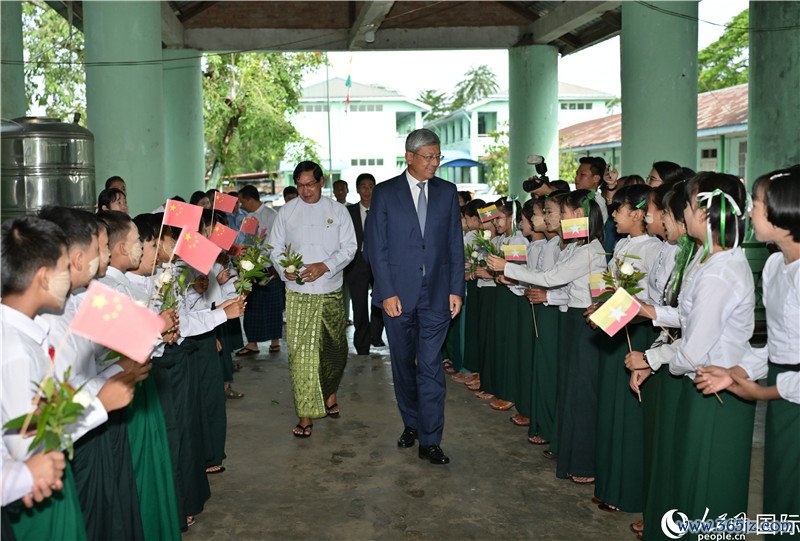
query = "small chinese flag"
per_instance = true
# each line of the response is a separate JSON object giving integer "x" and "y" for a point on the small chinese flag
{"x": 223, "y": 236}
{"x": 249, "y": 226}
{"x": 515, "y": 252}
{"x": 236, "y": 250}
{"x": 197, "y": 251}
{"x": 575, "y": 228}
{"x": 182, "y": 215}
{"x": 115, "y": 321}
{"x": 489, "y": 213}
{"x": 616, "y": 312}
{"x": 597, "y": 285}
{"x": 224, "y": 202}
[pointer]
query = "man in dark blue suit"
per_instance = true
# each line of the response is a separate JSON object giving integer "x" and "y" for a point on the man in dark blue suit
{"x": 414, "y": 245}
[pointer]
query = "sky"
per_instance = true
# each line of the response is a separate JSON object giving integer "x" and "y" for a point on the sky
{"x": 390, "y": 69}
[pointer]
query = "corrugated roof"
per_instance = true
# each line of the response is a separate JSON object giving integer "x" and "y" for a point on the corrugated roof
{"x": 338, "y": 90}
{"x": 715, "y": 109}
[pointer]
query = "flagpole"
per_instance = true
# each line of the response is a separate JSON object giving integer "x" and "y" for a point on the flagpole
{"x": 535, "y": 326}
{"x": 328, "y": 109}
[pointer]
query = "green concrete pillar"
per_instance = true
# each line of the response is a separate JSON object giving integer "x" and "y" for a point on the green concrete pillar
{"x": 774, "y": 88}
{"x": 13, "y": 103}
{"x": 124, "y": 97}
{"x": 659, "y": 85}
{"x": 183, "y": 122}
{"x": 532, "y": 112}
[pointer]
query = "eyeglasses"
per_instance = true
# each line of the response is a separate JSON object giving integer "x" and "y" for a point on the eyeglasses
{"x": 431, "y": 157}
{"x": 306, "y": 185}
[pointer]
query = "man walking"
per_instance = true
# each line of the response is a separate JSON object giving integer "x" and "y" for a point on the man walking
{"x": 414, "y": 246}
{"x": 358, "y": 276}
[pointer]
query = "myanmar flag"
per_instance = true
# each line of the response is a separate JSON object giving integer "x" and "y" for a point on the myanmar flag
{"x": 575, "y": 228}
{"x": 115, "y": 321}
{"x": 489, "y": 213}
{"x": 597, "y": 285}
{"x": 616, "y": 312}
{"x": 515, "y": 252}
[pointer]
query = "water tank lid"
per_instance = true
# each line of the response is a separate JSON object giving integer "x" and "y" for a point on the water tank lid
{"x": 33, "y": 126}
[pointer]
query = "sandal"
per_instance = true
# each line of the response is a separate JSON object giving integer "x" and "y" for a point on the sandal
{"x": 330, "y": 409}
{"x": 245, "y": 351}
{"x": 537, "y": 440}
{"x": 501, "y": 405}
{"x": 215, "y": 469}
{"x": 520, "y": 420}
{"x": 607, "y": 507}
{"x": 230, "y": 393}
{"x": 301, "y": 431}
{"x": 189, "y": 520}
{"x": 483, "y": 395}
{"x": 637, "y": 527}
{"x": 582, "y": 480}
{"x": 474, "y": 385}
{"x": 274, "y": 348}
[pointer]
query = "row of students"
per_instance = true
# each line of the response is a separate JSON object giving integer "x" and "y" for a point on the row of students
{"x": 632, "y": 414}
{"x": 138, "y": 471}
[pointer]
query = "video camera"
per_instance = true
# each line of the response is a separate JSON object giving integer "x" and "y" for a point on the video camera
{"x": 536, "y": 182}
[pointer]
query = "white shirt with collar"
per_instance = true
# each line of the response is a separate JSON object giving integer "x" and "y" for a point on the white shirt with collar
{"x": 645, "y": 250}
{"x": 364, "y": 212}
{"x": 17, "y": 478}
{"x": 266, "y": 218}
{"x": 25, "y": 359}
{"x": 412, "y": 185}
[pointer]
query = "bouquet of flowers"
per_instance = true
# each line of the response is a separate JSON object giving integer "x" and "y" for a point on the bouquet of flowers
{"x": 483, "y": 241}
{"x": 170, "y": 287}
{"x": 252, "y": 264}
{"x": 292, "y": 262}
{"x": 59, "y": 405}
{"x": 625, "y": 276}
{"x": 473, "y": 258}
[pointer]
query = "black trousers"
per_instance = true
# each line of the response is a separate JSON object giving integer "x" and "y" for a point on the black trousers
{"x": 368, "y": 326}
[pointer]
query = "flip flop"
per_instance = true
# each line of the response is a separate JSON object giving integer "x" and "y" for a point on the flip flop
{"x": 244, "y": 352}
{"x": 302, "y": 433}
{"x": 215, "y": 469}
{"x": 334, "y": 415}
{"x": 274, "y": 349}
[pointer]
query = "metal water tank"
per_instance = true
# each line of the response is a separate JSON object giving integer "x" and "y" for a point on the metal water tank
{"x": 44, "y": 161}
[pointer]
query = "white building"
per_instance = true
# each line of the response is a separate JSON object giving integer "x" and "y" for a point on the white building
{"x": 367, "y": 137}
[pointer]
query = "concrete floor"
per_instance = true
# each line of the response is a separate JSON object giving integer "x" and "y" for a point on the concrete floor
{"x": 351, "y": 481}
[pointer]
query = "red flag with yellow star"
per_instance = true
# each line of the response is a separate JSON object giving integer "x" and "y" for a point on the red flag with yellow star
{"x": 249, "y": 226}
{"x": 224, "y": 202}
{"x": 196, "y": 250}
{"x": 223, "y": 236}
{"x": 182, "y": 215}
{"x": 115, "y": 321}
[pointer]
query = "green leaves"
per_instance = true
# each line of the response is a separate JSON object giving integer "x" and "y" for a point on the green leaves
{"x": 724, "y": 63}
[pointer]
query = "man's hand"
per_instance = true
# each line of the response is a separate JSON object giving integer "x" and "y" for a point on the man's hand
{"x": 536, "y": 295}
{"x": 313, "y": 271}
{"x": 118, "y": 391}
{"x": 170, "y": 319}
{"x": 455, "y": 305}
{"x": 392, "y": 306}
{"x": 46, "y": 470}
{"x": 483, "y": 273}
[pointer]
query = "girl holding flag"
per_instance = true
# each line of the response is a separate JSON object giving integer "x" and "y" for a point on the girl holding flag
{"x": 577, "y": 374}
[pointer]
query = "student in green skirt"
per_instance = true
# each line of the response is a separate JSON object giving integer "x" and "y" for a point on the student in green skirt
{"x": 508, "y": 331}
{"x": 471, "y": 308}
{"x": 487, "y": 293}
{"x": 713, "y": 439}
{"x": 577, "y": 377}
{"x": 776, "y": 218}
{"x": 546, "y": 302}
{"x": 619, "y": 421}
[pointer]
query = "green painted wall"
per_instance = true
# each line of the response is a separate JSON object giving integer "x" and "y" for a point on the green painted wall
{"x": 774, "y": 89}
{"x": 659, "y": 85}
{"x": 533, "y": 111}
{"x": 125, "y": 102}
{"x": 13, "y": 103}
{"x": 183, "y": 122}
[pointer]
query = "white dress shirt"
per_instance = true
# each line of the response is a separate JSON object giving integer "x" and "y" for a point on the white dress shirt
{"x": 573, "y": 270}
{"x": 321, "y": 232}
{"x": 645, "y": 248}
{"x": 715, "y": 309}
{"x": 412, "y": 185}
{"x": 266, "y": 218}
{"x": 661, "y": 272}
{"x": 17, "y": 480}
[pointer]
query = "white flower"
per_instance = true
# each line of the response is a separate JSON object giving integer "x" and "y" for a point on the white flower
{"x": 83, "y": 398}
{"x": 626, "y": 269}
{"x": 291, "y": 269}
{"x": 474, "y": 255}
{"x": 487, "y": 234}
{"x": 248, "y": 265}
{"x": 165, "y": 277}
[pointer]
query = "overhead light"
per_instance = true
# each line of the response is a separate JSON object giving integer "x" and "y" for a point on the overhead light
{"x": 369, "y": 37}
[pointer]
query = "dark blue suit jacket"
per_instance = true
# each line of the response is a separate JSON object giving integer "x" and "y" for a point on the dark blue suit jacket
{"x": 397, "y": 251}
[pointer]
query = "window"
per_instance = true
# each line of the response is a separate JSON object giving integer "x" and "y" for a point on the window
{"x": 354, "y": 162}
{"x": 573, "y": 105}
{"x": 564, "y": 106}
{"x": 404, "y": 123}
{"x": 581, "y": 105}
{"x": 368, "y": 161}
{"x": 487, "y": 122}
{"x": 588, "y": 105}
{"x": 708, "y": 159}
{"x": 379, "y": 161}
{"x": 709, "y": 153}
{"x": 742, "y": 159}
{"x": 362, "y": 161}
{"x": 371, "y": 161}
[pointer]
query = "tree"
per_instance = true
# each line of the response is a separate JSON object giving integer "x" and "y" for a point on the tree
{"x": 724, "y": 63}
{"x": 477, "y": 84}
{"x": 54, "y": 74}
{"x": 567, "y": 163}
{"x": 496, "y": 160}
{"x": 437, "y": 102}
{"x": 247, "y": 99}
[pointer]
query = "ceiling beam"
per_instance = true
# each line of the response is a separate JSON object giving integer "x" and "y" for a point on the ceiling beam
{"x": 172, "y": 32}
{"x": 566, "y": 18}
{"x": 368, "y": 21}
{"x": 63, "y": 8}
{"x": 521, "y": 10}
{"x": 194, "y": 10}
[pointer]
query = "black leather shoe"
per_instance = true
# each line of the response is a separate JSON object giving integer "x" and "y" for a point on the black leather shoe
{"x": 378, "y": 343}
{"x": 407, "y": 438}
{"x": 547, "y": 453}
{"x": 434, "y": 454}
